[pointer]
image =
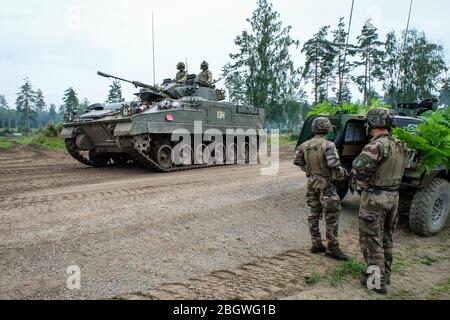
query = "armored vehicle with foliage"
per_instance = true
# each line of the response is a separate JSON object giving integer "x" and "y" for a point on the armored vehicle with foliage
{"x": 141, "y": 131}
{"x": 424, "y": 196}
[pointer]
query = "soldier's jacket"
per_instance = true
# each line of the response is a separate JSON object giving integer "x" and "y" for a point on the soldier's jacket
{"x": 318, "y": 157}
{"x": 205, "y": 77}
{"x": 181, "y": 77}
{"x": 381, "y": 164}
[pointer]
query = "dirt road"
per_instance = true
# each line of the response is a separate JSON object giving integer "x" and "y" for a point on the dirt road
{"x": 223, "y": 233}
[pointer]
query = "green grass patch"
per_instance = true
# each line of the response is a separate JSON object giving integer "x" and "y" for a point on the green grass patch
{"x": 441, "y": 291}
{"x": 314, "y": 278}
{"x": 399, "y": 264}
{"x": 5, "y": 143}
{"x": 402, "y": 294}
{"x": 352, "y": 267}
{"x": 40, "y": 141}
{"x": 427, "y": 260}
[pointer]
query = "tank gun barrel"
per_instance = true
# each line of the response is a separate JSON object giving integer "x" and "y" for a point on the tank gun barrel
{"x": 137, "y": 84}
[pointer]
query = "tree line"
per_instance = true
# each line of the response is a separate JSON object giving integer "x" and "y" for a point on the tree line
{"x": 31, "y": 111}
{"x": 402, "y": 68}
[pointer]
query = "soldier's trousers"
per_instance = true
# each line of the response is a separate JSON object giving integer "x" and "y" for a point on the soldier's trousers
{"x": 322, "y": 199}
{"x": 378, "y": 217}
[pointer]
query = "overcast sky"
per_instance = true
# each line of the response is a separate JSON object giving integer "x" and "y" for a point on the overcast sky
{"x": 59, "y": 44}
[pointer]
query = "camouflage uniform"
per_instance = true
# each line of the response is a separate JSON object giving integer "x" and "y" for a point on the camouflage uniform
{"x": 318, "y": 157}
{"x": 205, "y": 78}
{"x": 378, "y": 171}
{"x": 181, "y": 76}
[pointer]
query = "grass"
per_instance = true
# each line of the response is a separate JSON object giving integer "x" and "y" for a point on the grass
{"x": 5, "y": 143}
{"x": 352, "y": 267}
{"x": 40, "y": 141}
{"x": 427, "y": 260}
{"x": 399, "y": 264}
{"x": 339, "y": 275}
{"x": 441, "y": 291}
{"x": 402, "y": 294}
{"x": 314, "y": 278}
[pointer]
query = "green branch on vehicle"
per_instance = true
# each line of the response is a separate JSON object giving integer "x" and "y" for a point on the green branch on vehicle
{"x": 329, "y": 109}
{"x": 431, "y": 139}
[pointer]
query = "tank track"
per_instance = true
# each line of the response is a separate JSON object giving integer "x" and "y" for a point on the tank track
{"x": 143, "y": 159}
{"x": 73, "y": 150}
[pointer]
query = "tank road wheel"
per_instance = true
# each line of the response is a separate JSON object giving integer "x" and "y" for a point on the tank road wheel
{"x": 99, "y": 160}
{"x": 430, "y": 208}
{"x": 76, "y": 153}
{"x": 162, "y": 155}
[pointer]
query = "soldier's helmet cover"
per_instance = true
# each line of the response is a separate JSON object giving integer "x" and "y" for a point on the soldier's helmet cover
{"x": 181, "y": 66}
{"x": 379, "y": 118}
{"x": 204, "y": 65}
{"x": 322, "y": 125}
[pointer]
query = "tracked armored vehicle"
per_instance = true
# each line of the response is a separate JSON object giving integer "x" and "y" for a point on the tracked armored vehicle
{"x": 142, "y": 131}
{"x": 424, "y": 197}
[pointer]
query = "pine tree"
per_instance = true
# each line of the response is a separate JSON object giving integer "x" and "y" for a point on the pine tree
{"x": 70, "y": 102}
{"x": 392, "y": 53}
{"x": 320, "y": 54}
{"x": 413, "y": 68}
{"x": 40, "y": 107}
{"x": 423, "y": 66}
{"x": 115, "y": 93}
{"x": 26, "y": 105}
{"x": 263, "y": 70}
{"x": 371, "y": 56}
{"x": 83, "y": 106}
{"x": 343, "y": 67}
{"x": 52, "y": 112}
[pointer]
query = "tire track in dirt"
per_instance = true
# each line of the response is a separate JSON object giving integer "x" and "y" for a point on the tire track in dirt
{"x": 263, "y": 279}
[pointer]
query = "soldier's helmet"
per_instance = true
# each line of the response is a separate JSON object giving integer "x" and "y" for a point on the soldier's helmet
{"x": 379, "y": 118}
{"x": 204, "y": 65}
{"x": 322, "y": 125}
{"x": 181, "y": 66}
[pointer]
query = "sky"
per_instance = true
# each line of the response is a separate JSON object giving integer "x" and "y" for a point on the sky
{"x": 59, "y": 44}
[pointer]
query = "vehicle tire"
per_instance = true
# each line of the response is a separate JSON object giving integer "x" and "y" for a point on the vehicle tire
{"x": 99, "y": 160}
{"x": 430, "y": 208}
{"x": 162, "y": 155}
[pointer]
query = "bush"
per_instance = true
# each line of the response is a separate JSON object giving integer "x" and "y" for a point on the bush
{"x": 431, "y": 139}
{"x": 6, "y": 132}
{"x": 53, "y": 130}
{"x": 328, "y": 109}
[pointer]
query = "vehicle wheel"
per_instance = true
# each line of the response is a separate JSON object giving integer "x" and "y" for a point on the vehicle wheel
{"x": 430, "y": 208}
{"x": 163, "y": 156}
{"x": 99, "y": 160}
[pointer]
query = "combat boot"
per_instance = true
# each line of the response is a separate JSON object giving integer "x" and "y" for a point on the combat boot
{"x": 336, "y": 254}
{"x": 318, "y": 248}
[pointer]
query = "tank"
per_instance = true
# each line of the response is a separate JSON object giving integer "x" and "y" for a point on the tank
{"x": 169, "y": 127}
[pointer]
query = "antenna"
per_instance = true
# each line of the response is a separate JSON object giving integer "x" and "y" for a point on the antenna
{"x": 153, "y": 47}
{"x": 341, "y": 80}
{"x": 403, "y": 49}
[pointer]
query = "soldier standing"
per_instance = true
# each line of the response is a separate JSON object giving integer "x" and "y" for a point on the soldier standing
{"x": 320, "y": 160}
{"x": 181, "y": 76}
{"x": 378, "y": 172}
{"x": 205, "y": 77}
